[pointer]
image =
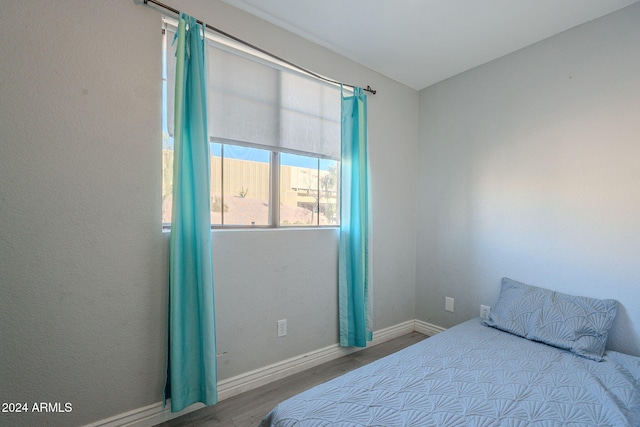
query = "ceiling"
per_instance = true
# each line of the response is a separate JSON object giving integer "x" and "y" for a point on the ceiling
{"x": 422, "y": 42}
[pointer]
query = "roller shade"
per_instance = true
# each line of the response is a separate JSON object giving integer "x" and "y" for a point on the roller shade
{"x": 255, "y": 102}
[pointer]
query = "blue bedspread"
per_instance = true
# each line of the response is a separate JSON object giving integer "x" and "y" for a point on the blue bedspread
{"x": 474, "y": 375}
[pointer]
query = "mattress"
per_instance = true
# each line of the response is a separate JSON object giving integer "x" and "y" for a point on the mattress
{"x": 474, "y": 375}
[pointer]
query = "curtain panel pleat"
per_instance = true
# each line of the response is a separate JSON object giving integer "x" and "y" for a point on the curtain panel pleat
{"x": 192, "y": 375}
{"x": 354, "y": 267}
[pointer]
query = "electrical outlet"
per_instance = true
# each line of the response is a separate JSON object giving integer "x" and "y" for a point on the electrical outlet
{"x": 448, "y": 304}
{"x": 282, "y": 328}
{"x": 484, "y": 311}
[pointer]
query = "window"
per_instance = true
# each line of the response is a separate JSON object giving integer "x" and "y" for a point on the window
{"x": 240, "y": 186}
{"x": 274, "y": 140}
{"x": 308, "y": 191}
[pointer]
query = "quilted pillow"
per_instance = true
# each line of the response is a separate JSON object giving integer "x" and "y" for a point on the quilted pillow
{"x": 577, "y": 324}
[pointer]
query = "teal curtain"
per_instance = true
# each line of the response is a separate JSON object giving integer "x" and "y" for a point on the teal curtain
{"x": 192, "y": 375}
{"x": 354, "y": 268}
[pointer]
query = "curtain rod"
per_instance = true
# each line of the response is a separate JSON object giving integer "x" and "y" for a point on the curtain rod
{"x": 232, "y": 37}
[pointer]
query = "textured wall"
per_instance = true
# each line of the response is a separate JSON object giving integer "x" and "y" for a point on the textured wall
{"x": 82, "y": 255}
{"x": 529, "y": 169}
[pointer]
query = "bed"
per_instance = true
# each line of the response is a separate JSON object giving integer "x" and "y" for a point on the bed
{"x": 538, "y": 360}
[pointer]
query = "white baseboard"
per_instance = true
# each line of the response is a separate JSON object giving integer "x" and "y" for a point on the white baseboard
{"x": 259, "y": 377}
{"x": 156, "y": 413}
{"x": 144, "y": 417}
{"x": 427, "y": 328}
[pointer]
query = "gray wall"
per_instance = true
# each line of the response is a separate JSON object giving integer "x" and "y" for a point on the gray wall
{"x": 82, "y": 255}
{"x": 528, "y": 168}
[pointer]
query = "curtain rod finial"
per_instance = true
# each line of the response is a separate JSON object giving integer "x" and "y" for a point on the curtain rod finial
{"x": 369, "y": 89}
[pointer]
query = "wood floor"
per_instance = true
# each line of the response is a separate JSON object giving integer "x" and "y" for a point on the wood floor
{"x": 247, "y": 409}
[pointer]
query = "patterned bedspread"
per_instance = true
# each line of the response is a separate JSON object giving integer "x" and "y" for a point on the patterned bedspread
{"x": 474, "y": 375}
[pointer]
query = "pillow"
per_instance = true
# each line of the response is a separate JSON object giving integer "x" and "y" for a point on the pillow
{"x": 577, "y": 324}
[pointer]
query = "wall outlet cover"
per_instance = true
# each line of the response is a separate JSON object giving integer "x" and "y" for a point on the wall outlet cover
{"x": 484, "y": 311}
{"x": 448, "y": 304}
{"x": 282, "y": 328}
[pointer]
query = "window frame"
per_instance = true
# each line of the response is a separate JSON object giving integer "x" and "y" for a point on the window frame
{"x": 272, "y": 158}
{"x": 274, "y": 221}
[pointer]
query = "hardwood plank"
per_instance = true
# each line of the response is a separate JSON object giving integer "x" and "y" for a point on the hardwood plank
{"x": 379, "y": 351}
{"x": 247, "y": 409}
{"x": 183, "y": 421}
{"x": 271, "y": 394}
